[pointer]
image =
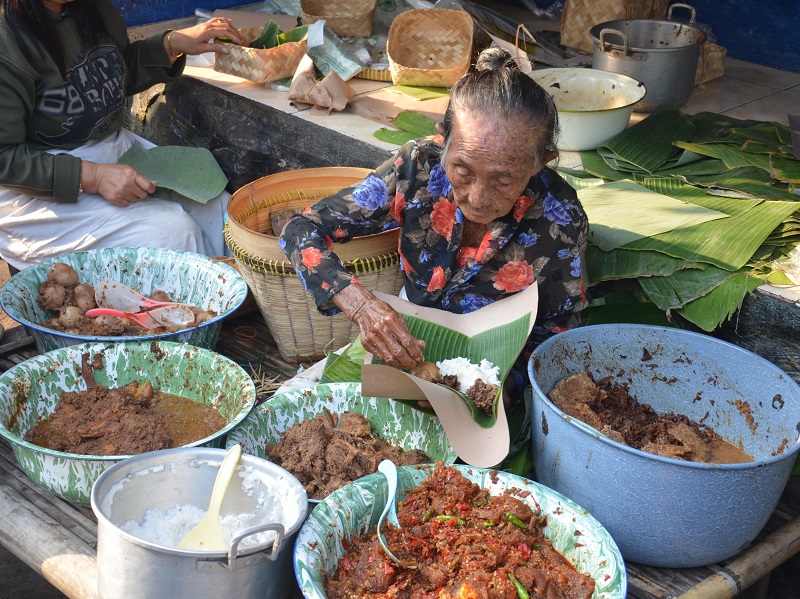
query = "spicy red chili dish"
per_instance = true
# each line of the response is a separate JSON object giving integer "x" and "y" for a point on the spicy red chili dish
{"x": 466, "y": 544}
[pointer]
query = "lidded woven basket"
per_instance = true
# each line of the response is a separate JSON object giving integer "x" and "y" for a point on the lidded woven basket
{"x": 258, "y": 64}
{"x": 346, "y": 18}
{"x": 255, "y": 212}
{"x": 429, "y": 47}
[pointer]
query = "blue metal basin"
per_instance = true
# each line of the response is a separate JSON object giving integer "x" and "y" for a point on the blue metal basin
{"x": 661, "y": 511}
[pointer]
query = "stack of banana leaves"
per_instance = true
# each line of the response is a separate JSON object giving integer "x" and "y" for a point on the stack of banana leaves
{"x": 698, "y": 209}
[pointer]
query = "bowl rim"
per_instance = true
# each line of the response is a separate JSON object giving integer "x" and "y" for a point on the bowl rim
{"x": 591, "y": 431}
{"x": 50, "y": 357}
{"x": 172, "y": 456}
{"x": 625, "y": 80}
{"x": 287, "y": 397}
{"x": 13, "y": 285}
{"x": 516, "y": 481}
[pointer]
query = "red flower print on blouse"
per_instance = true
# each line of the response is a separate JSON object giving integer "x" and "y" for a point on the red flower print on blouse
{"x": 465, "y": 254}
{"x": 329, "y": 243}
{"x": 483, "y": 247}
{"x": 437, "y": 279}
{"x": 444, "y": 213}
{"x": 521, "y": 206}
{"x": 311, "y": 257}
{"x": 339, "y": 233}
{"x": 406, "y": 266}
{"x": 513, "y": 276}
{"x": 397, "y": 207}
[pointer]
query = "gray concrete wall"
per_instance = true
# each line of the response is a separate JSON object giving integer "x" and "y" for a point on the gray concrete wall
{"x": 248, "y": 139}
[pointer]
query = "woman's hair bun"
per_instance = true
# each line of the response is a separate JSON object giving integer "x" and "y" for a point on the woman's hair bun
{"x": 494, "y": 58}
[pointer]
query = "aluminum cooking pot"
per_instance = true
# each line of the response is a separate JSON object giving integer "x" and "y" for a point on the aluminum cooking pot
{"x": 661, "y": 54}
{"x": 131, "y": 566}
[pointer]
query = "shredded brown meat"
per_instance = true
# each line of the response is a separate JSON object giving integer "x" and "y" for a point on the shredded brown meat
{"x": 609, "y": 407}
{"x": 466, "y": 543}
{"x": 331, "y": 450}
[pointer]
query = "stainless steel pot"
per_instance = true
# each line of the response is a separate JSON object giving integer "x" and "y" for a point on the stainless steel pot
{"x": 661, "y": 54}
{"x": 129, "y": 566}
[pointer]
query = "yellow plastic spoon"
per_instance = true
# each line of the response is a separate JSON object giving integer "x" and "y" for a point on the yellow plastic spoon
{"x": 207, "y": 535}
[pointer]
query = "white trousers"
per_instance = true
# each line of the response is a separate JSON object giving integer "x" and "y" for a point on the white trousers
{"x": 32, "y": 229}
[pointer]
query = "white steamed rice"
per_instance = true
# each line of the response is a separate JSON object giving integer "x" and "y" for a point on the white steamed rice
{"x": 274, "y": 504}
{"x": 468, "y": 373}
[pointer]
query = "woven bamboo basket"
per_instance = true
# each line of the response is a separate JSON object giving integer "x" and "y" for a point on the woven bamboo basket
{"x": 260, "y": 65}
{"x": 579, "y": 16}
{"x": 346, "y": 18}
{"x": 300, "y": 331}
{"x": 429, "y": 47}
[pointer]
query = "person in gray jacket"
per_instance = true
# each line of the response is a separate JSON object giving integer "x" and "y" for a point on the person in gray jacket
{"x": 67, "y": 68}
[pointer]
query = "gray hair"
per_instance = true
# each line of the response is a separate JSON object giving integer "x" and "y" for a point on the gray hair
{"x": 498, "y": 88}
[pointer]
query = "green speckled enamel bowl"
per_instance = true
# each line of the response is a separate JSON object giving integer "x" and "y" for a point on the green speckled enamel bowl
{"x": 394, "y": 421}
{"x": 354, "y": 510}
{"x": 185, "y": 276}
{"x": 30, "y": 390}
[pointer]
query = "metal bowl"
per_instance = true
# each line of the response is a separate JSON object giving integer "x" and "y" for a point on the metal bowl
{"x": 185, "y": 276}
{"x": 593, "y": 105}
{"x": 354, "y": 510}
{"x": 661, "y": 511}
{"x": 30, "y": 391}
{"x": 393, "y": 421}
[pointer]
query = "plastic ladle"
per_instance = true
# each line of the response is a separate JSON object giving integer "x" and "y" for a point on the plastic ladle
{"x": 389, "y": 470}
{"x": 207, "y": 535}
{"x": 110, "y": 294}
{"x": 167, "y": 316}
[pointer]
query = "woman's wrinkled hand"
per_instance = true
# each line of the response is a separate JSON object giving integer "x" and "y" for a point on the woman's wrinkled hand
{"x": 120, "y": 184}
{"x": 384, "y": 332}
{"x": 202, "y": 37}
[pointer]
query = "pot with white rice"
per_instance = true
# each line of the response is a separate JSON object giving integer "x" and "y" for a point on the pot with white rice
{"x": 147, "y": 503}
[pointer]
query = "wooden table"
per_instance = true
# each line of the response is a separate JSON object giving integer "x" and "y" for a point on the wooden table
{"x": 59, "y": 539}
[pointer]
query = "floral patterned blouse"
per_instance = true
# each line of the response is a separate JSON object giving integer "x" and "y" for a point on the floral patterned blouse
{"x": 542, "y": 239}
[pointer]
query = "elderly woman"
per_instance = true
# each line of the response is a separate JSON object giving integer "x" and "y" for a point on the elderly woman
{"x": 481, "y": 217}
{"x": 66, "y": 68}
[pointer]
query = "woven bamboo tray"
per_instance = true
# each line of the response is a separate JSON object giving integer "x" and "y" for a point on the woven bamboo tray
{"x": 301, "y": 333}
{"x": 259, "y": 65}
{"x": 429, "y": 47}
{"x": 346, "y": 18}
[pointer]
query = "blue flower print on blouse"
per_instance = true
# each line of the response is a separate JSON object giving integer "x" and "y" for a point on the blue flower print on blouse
{"x": 575, "y": 266}
{"x": 564, "y": 254}
{"x": 555, "y": 211}
{"x": 472, "y": 302}
{"x": 371, "y": 194}
{"x": 438, "y": 184}
{"x": 528, "y": 239}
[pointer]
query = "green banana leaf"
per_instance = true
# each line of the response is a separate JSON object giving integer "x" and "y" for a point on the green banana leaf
{"x": 344, "y": 367}
{"x": 628, "y": 264}
{"x": 752, "y": 181}
{"x": 414, "y": 122}
{"x": 716, "y": 307}
{"x": 727, "y": 243}
{"x": 784, "y": 168}
{"x": 625, "y": 306}
{"x": 191, "y": 172}
{"x": 713, "y": 127}
{"x": 394, "y": 136}
{"x": 649, "y": 143}
{"x": 731, "y": 156}
{"x": 293, "y": 35}
{"x": 268, "y": 38}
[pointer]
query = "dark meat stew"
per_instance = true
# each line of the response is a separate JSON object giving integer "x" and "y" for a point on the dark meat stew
{"x": 466, "y": 543}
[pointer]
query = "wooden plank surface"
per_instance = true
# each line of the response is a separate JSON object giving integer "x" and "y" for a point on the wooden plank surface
{"x": 59, "y": 540}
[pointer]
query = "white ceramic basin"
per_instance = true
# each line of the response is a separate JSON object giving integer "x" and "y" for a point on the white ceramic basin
{"x": 593, "y": 105}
